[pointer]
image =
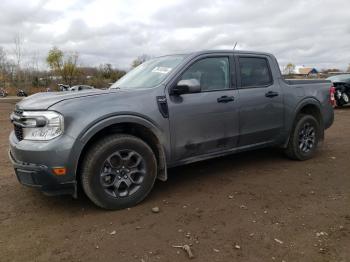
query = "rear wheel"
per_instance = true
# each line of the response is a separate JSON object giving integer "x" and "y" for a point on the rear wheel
{"x": 118, "y": 171}
{"x": 342, "y": 98}
{"x": 345, "y": 98}
{"x": 304, "y": 138}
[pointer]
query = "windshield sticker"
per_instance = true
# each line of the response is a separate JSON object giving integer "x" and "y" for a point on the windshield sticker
{"x": 161, "y": 70}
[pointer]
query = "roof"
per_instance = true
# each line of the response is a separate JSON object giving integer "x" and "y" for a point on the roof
{"x": 231, "y": 51}
{"x": 203, "y": 52}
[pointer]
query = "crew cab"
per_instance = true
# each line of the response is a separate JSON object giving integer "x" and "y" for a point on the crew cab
{"x": 169, "y": 111}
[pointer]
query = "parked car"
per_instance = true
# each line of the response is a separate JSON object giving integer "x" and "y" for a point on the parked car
{"x": 21, "y": 93}
{"x": 342, "y": 88}
{"x": 3, "y": 93}
{"x": 80, "y": 88}
{"x": 63, "y": 87}
{"x": 169, "y": 111}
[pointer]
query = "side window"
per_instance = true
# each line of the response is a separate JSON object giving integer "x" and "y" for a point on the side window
{"x": 254, "y": 72}
{"x": 212, "y": 73}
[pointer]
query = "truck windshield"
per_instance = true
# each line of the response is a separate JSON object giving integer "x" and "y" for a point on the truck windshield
{"x": 149, "y": 74}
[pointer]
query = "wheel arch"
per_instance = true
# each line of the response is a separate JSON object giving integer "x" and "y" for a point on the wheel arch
{"x": 132, "y": 125}
{"x": 308, "y": 106}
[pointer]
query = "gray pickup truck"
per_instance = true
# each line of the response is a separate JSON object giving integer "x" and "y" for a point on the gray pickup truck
{"x": 168, "y": 111}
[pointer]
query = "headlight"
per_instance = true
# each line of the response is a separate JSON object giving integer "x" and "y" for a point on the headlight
{"x": 42, "y": 125}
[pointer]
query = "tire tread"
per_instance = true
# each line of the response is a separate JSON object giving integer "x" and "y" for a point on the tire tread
{"x": 97, "y": 148}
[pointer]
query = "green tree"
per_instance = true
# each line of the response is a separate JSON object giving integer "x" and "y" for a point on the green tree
{"x": 289, "y": 69}
{"x": 63, "y": 64}
{"x": 55, "y": 59}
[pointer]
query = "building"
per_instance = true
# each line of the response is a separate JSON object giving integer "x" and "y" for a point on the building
{"x": 305, "y": 71}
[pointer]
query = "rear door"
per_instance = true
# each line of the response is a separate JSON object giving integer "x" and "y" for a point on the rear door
{"x": 261, "y": 101}
{"x": 206, "y": 122}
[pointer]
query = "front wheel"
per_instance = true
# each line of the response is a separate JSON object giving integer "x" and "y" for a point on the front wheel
{"x": 118, "y": 171}
{"x": 304, "y": 138}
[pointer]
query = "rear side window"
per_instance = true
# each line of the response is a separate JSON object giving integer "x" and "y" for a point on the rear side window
{"x": 255, "y": 72}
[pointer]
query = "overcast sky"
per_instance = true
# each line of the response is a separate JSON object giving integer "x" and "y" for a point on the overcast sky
{"x": 304, "y": 32}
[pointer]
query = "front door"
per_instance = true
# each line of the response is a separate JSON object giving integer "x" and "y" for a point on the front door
{"x": 206, "y": 122}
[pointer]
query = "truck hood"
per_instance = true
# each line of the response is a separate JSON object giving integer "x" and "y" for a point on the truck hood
{"x": 42, "y": 101}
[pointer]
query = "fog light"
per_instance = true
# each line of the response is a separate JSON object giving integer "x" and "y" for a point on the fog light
{"x": 59, "y": 171}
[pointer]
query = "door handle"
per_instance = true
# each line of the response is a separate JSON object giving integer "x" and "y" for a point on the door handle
{"x": 225, "y": 99}
{"x": 271, "y": 94}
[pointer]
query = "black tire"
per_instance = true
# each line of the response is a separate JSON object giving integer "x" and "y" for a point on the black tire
{"x": 296, "y": 149}
{"x": 340, "y": 103}
{"x": 345, "y": 98}
{"x": 106, "y": 157}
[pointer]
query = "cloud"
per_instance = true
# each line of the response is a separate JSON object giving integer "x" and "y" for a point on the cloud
{"x": 312, "y": 32}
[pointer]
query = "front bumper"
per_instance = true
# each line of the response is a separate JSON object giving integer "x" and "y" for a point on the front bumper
{"x": 30, "y": 173}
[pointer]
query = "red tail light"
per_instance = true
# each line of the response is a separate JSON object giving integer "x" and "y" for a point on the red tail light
{"x": 332, "y": 100}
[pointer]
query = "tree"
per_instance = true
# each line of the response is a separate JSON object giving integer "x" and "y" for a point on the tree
{"x": 18, "y": 41}
{"x": 55, "y": 59}
{"x": 139, "y": 60}
{"x": 19, "y": 76}
{"x": 3, "y": 66}
{"x": 106, "y": 71}
{"x": 63, "y": 64}
{"x": 289, "y": 69}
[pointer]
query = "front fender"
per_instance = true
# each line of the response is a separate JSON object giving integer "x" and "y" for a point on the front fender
{"x": 97, "y": 126}
{"x": 85, "y": 136}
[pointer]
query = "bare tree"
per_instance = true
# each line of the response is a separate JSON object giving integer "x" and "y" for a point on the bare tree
{"x": 18, "y": 41}
{"x": 18, "y": 51}
{"x": 3, "y": 64}
{"x": 139, "y": 60}
{"x": 35, "y": 61}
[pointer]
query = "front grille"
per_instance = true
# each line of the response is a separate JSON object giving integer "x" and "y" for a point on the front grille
{"x": 17, "y": 128}
{"x": 18, "y": 112}
{"x": 18, "y": 132}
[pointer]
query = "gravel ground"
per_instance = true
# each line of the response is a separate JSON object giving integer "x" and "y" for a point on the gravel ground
{"x": 255, "y": 206}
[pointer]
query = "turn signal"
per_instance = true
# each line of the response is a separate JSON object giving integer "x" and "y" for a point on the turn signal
{"x": 59, "y": 171}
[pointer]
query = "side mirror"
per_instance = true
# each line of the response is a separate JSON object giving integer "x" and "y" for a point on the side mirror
{"x": 187, "y": 86}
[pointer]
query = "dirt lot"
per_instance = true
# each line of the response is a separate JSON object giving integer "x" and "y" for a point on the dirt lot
{"x": 274, "y": 209}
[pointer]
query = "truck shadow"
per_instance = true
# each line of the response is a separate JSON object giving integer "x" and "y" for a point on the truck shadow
{"x": 222, "y": 169}
{"x": 217, "y": 169}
